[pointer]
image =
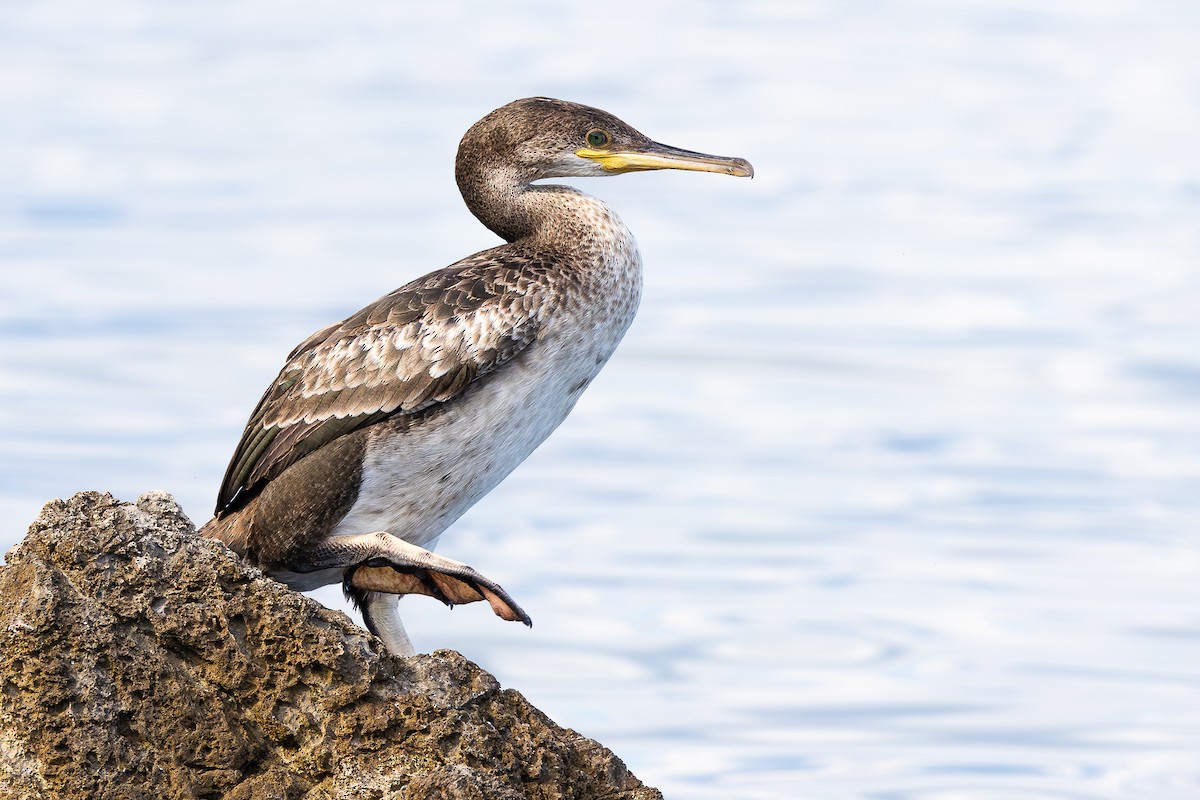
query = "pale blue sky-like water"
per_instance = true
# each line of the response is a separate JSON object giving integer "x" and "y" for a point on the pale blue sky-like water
{"x": 892, "y": 490}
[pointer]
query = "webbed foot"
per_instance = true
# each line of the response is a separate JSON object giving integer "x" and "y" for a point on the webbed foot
{"x": 382, "y": 563}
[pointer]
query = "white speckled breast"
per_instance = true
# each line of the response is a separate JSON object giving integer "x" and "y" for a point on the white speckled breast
{"x": 419, "y": 476}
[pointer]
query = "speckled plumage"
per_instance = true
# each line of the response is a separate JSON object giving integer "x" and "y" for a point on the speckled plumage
{"x": 399, "y": 418}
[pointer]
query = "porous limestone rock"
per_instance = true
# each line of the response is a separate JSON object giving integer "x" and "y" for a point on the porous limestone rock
{"x": 139, "y": 661}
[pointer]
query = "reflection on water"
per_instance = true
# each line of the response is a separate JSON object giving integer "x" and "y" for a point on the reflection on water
{"x": 891, "y": 490}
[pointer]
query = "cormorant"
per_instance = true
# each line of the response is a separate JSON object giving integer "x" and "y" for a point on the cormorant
{"x": 382, "y": 429}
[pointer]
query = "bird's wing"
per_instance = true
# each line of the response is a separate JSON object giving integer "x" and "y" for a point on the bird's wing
{"x": 421, "y": 345}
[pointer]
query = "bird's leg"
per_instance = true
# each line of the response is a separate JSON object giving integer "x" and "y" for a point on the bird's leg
{"x": 381, "y": 614}
{"x": 382, "y": 564}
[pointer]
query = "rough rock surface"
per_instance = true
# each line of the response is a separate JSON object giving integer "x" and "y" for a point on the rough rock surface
{"x": 140, "y": 661}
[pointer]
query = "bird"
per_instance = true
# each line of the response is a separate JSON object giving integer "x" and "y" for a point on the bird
{"x": 383, "y": 429}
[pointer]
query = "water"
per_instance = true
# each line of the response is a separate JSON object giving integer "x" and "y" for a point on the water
{"x": 891, "y": 491}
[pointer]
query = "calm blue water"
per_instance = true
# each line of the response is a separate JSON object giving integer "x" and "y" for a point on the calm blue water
{"x": 893, "y": 489}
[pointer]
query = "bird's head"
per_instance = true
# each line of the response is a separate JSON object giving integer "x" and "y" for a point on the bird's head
{"x": 540, "y": 137}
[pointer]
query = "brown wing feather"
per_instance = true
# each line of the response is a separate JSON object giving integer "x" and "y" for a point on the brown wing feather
{"x": 421, "y": 345}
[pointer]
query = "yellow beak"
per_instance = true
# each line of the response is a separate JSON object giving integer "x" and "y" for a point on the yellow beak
{"x": 660, "y": 156}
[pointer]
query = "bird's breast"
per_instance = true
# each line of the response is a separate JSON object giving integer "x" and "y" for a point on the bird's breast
{"x": 420, "y": 475}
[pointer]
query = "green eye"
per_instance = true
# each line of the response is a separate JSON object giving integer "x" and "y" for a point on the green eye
{"x": 598, "y": 138}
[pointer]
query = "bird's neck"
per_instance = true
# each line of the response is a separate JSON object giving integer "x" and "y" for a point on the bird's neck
{"x": 514, "y": 209}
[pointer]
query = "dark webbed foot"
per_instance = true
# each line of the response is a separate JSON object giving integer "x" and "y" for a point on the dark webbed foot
{"x": 382, "y": 563}
{"x": 453, "y": 585}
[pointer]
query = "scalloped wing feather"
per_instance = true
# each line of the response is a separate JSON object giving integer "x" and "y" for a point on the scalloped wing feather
{"x": 419, "y": 346}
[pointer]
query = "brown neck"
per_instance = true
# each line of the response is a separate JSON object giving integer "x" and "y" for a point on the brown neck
{"x": 498, "y": 196}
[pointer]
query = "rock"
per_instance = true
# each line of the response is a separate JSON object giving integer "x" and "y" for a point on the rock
{"x": 140, "y": 661}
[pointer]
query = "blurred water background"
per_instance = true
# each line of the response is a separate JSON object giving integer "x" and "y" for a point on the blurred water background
{"x": 892, "y": 490}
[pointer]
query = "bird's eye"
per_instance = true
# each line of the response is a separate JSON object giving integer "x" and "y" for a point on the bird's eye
{"x": 598, "y": 138}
